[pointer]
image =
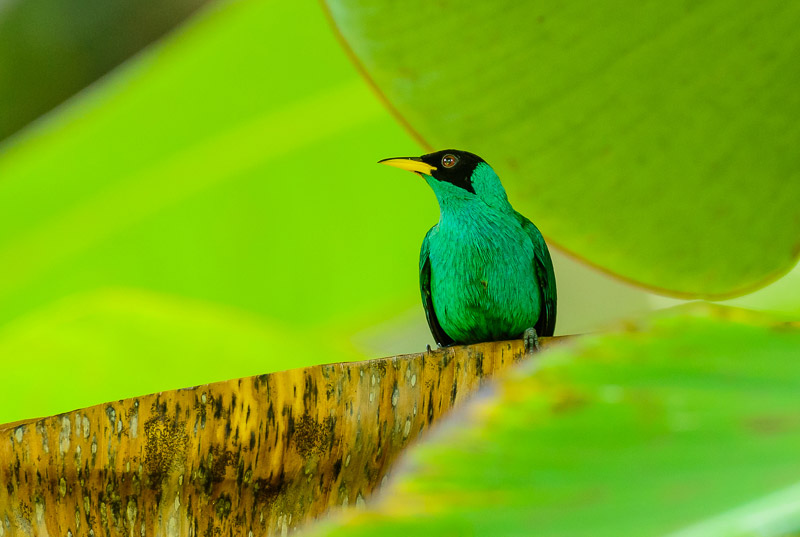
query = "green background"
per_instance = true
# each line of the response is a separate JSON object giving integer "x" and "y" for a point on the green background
{"x": 212, "y": 209}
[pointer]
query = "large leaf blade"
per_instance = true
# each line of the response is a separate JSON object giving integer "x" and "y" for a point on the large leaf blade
{"x": 660, "y": 428}
{"x": 654, "y": 140}
{"x": 114, "y": 343}
{"x": 207, "y": 170}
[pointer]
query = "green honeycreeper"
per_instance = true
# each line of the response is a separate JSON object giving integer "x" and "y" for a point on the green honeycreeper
{"x": 484, "y": 270}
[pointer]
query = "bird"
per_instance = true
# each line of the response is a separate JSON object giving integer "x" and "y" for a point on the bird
{"x": 485, "y": 272}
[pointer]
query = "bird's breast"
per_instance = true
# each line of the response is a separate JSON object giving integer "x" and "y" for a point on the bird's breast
{"x": 482, "y": 278}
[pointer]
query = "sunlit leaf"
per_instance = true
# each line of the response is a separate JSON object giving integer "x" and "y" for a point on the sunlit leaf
{"x": 110, "y": 344}
{"x": 683, "y": 423}
{"x": 655, "y": 140}
{"x": 220, "y": 169}
{"x": 782, "y": 297}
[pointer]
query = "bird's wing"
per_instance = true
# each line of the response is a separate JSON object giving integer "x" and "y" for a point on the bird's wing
{"x": 427, "y": 298}
{"x": 543, "y": 266}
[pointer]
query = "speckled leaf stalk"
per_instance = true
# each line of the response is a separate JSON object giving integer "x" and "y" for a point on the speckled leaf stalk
{"x": 253, "y": 456}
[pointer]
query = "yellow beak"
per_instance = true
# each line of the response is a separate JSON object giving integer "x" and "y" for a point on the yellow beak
{"x": 411, "y": 164}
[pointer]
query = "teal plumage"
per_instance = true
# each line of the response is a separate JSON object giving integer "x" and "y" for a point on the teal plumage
{"x": 485, "y": 270}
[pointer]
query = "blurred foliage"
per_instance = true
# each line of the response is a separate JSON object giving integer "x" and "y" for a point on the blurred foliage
{"x": 217, "y": 178}
{"x": 209, "y": 179}
{"x": 224, "y": 176}
{"x": 781, "y": 298}
{"x": 687, "y": 423}
{"x": 118, "y": 343}
{"x": 656, "y": 140}
{"x": 49, "y": 50}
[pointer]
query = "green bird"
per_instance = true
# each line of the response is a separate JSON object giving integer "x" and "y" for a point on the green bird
{"x": 485, "y": 272}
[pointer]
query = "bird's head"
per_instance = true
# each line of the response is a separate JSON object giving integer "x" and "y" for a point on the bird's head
{"x": 455, "y": 176}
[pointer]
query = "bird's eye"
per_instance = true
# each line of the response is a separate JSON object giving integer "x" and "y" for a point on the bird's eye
{"x": 448, "y": 161}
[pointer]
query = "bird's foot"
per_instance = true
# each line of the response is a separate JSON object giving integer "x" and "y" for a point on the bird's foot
{"x": 531, "y": 339}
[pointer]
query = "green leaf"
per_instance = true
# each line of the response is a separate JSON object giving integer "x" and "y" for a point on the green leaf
{"x": 216, "y": 168}
{"x": 109, "y": 344}
{"x": 227, "y": 194}
{"x": 780, "y": 298}
{"x": 50, "y": 50}
{"x": 658, "y": 141}
{"x": 687, "y": 424}
{"x": 776, "y": 515}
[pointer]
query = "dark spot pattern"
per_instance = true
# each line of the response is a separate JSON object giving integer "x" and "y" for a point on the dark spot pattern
{"x": 234, "y": 457}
